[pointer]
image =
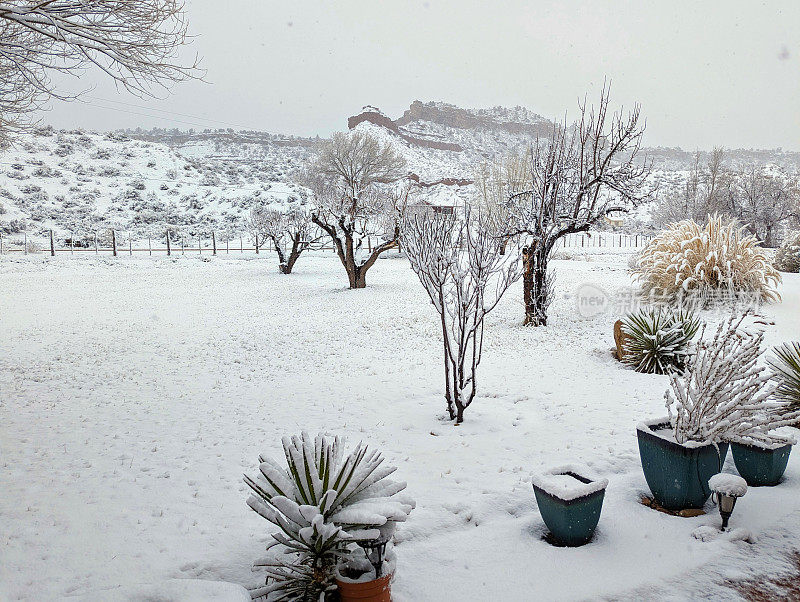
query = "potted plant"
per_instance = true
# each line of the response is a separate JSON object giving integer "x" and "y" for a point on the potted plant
{"x": 325, "y": 504}
{"x": 723, "y": 394}
{"x": 677, "y": 473}
{"x": 570, "y": 502}
{"x": 762, "y": 463}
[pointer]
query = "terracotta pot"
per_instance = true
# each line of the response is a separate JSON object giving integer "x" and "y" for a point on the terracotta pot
{"x": 377, "y": 590}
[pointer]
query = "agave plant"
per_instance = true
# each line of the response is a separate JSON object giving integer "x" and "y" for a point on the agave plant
{"x": 322, "y": 501}
{"x": 657, "y": 340}
{"x": 786, "y": 367}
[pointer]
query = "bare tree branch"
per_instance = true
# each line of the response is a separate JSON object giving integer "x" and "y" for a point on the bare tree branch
{"x": 135, "y": 42}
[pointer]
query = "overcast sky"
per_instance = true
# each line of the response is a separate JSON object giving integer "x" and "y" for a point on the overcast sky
{"x": 705, "y": 73}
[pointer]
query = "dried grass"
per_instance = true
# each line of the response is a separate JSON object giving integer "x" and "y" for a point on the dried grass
{"x": 690, "y": 259}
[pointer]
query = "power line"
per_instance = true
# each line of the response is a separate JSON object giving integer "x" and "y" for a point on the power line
{"x": 146, "y": 108}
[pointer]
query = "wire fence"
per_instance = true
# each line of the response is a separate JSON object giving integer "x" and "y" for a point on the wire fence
{"x": 116, "y": 243}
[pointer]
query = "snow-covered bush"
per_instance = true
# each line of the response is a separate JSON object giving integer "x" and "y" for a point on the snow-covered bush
{"x": 657, "y": 339}
{"x": 786, "y": 367}
{"x": 724, "y": 394}
{"x": 691, "y": 260}
{"x": 787, "y": 259}
{"x": 322, "y": 502}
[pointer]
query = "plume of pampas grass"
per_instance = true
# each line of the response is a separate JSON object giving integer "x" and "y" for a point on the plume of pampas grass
{"x": 689, "y": 259}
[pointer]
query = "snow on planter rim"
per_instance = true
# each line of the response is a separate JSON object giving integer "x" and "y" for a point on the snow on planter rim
{"x": 571, "y": 489}
{"x": 728, "y": 484}
{"x": 667, "y": 434}
{"x": 781, "y": 441}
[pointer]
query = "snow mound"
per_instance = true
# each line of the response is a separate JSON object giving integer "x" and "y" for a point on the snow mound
{"x": 728, "y": 484}
{"x": 173, "y": 590}
{"x": 568, "y": 482}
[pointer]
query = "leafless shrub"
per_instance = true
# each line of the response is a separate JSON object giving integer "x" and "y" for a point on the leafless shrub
{"x": 460, "y": 266}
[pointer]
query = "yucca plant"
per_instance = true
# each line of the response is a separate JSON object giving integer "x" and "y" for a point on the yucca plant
{"x": 690, "y": 260}
{"x": 321, "y": 501}
{"x": 657, "y": 340}
{"x": 786, "y": 369}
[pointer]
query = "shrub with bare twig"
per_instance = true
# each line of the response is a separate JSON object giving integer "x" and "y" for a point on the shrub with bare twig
{"x": 463, "y": 272}
{"x": 725, "y": 394}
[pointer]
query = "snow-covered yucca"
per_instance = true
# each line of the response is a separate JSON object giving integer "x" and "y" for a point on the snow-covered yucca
{"x": 321, "y": 501}
{"x": 787, "y": 258}
{"x": 786, "y": 365}
{"x": 657, "y": 339}
{"x": 688, "y": 259}
{"x": 724, "y": 394}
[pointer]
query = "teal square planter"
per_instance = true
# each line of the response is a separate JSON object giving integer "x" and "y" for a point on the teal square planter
{"x": 570, "y": 512}
{"x": 677, "y": 474}
{"x": 761, "y": 465}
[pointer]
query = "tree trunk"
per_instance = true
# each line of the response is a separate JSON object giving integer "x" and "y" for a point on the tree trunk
{"x": 535, "y": 289}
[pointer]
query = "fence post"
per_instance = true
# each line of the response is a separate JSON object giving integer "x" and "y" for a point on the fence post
{"x": 130, "y": 244}
{"x": 1, "y": 243}
{"x": 256, "y": 243}
{"x": 183, "y": 248}
{"x": 227, "y": 243}
{"x": 114, "y": 241}
{"x": 71, "y": 243}
{"x": 214, "y": 242}
{"x": 26, "y": 243}
{"x": 95, "y": 243}
{"x": 241, "y": 245}
{"x": 52, "y": 245}
{"x": 169, "y": 251}
{"x": 149, "y": 246}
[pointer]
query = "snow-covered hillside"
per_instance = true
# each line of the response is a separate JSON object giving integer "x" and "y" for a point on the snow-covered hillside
{"x": 144, "y": 182}
{"x": 83, "y": 182}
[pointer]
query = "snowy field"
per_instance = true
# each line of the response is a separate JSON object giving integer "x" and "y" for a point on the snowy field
{"x": 134, "y": 393}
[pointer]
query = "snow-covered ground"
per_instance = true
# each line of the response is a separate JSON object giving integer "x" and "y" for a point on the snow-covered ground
{"x": 135, "y": 392}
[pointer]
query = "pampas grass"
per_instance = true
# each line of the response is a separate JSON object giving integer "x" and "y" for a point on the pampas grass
{"x": 688, "y": 260}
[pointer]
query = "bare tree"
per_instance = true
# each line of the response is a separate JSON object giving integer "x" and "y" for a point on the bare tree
{"x": 290, "y": 231}
{"x": 703, "y": 193}
{"x": 354, "y": 180}
{"x": 763, "y": 201}
{"x": 573, "y": 179}
{"x": 134, "y": 42}
{"x": 460, "y": 266}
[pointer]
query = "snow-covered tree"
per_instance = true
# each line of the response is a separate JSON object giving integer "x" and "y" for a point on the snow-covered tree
{"x": 764, "y": 200}
{"x": 321, "y": 501}
{"x": 724, "y": 393}
{"x": 703, "y": 193}
{"x": 290, "y": 231}
{"x": 787, "y": 259}
{"x": 568, "y": 183}
{"x": 464, "y": 274}
{"x": 354, "y": 179}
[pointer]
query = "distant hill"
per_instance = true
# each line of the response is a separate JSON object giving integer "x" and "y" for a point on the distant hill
{"x": 144, "y": 180}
